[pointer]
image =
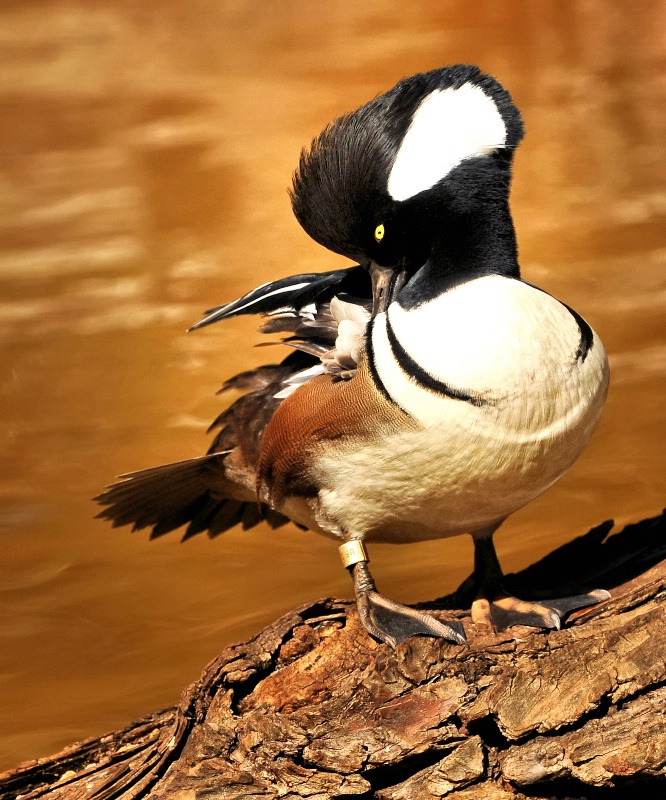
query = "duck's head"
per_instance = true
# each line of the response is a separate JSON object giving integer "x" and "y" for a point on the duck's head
{"x": 419, "y": 176}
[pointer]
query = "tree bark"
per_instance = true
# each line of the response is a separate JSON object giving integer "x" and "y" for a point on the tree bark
{"x": 312, "y": 707}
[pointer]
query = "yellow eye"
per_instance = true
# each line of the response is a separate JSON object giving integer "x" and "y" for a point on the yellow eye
{"x": 379, "y": 233}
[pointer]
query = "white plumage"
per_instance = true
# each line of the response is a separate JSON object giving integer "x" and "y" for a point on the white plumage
{"x": 470, "y": 465}
{"x": 449, "y": 126}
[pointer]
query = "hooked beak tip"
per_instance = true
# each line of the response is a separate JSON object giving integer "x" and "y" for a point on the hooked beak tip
{"x": 386, "y": 285}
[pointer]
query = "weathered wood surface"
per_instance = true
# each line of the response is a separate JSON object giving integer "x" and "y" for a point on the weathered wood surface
{"x": 313, "y": 708}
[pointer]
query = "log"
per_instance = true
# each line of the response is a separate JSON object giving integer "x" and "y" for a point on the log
{"x": 312, "y": 707}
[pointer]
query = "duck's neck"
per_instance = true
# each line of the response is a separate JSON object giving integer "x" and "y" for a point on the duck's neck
{"x": 467, "y": 247}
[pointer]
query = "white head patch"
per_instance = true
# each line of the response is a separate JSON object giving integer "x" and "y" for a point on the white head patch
{"x": 449, "y": 126}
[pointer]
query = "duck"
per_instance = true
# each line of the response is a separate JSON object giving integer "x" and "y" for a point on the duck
{"x": 429, "y": 391}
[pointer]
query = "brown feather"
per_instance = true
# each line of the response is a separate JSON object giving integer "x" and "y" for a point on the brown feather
{"x": 324, "y": 413}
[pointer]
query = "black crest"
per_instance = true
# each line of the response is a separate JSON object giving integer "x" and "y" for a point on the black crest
{"x": 339, "y": 190}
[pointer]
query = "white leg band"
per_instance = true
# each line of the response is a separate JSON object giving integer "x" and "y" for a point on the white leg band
{"x": 352, "y": 552}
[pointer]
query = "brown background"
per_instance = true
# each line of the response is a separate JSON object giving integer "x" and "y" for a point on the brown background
{"x": 145, "y": 149}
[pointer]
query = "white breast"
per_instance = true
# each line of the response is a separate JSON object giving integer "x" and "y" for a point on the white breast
{"x": 511, "y": 346}
{"x": 532, "y": 404}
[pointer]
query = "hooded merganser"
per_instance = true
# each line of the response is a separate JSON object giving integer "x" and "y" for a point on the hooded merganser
{"x": 430, "y": 391}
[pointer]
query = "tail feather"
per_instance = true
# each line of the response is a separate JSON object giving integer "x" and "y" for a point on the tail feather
{"x": 251, "y": 516}
{"x": 195, "y": 493}
{"x": 213, "y": 515}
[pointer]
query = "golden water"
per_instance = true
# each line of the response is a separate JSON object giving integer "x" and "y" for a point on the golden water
{"x": 145, "y": 150}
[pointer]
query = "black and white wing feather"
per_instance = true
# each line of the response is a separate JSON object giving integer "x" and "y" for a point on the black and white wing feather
{"x": 296, "y": 296}
{"x": 322, "y": 312}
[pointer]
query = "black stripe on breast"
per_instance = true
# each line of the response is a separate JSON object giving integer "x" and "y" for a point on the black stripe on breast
{"x": 586, "y": 335}
{"x": 374, "y": 374}
{"x": 416, "y": 371}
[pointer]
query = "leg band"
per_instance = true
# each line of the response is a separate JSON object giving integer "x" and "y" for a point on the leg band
{"x": 352, "y": 552}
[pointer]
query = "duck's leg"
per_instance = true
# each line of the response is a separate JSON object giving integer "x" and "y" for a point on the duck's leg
{"x": 494, "y": 606}
{"x": 386, "y": 620}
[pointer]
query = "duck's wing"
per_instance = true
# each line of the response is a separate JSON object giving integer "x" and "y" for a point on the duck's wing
{"x": 218, "y": 491}
{"x": 323, "y": 314}
{"x": 297, "y": 297}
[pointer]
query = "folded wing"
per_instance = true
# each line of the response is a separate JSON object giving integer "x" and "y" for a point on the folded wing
{"x": 323, "y": 316}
